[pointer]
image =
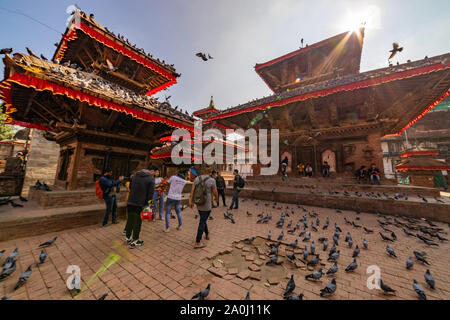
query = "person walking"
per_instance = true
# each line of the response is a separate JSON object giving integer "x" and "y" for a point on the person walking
{"x": 177, "y": 183}
{"x": 158, "y": 195}
{"x": 207, "y": 187}
{"x": 220, "y": 183}
{"x": 236, "y": 190}
{"x": 109, "y": 196}
{"x": 142, "y": 187}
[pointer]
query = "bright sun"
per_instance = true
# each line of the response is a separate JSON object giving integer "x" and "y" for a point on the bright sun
{"x": 368, "y": 17}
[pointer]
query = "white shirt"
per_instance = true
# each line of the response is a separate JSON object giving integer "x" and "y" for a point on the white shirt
{"x": 158, "y": 181}
{"x": 176, "y": 187}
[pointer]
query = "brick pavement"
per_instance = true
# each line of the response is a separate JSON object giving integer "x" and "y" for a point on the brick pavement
{"x": 167, "y": 266}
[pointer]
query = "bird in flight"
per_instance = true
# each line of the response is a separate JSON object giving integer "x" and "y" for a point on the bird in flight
{"x": 203, "y": 56}
{"x": 395, "y": 49}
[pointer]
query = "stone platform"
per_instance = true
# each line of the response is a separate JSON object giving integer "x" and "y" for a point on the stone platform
{"x": 338, "y": 184}
{"x": 413, "y": 207}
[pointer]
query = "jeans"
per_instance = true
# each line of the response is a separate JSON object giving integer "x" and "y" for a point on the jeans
{"x": 221, "y": 193}
{"x": 235, "y": 200}
{"x": 202, "y": 226}
{"x": 159, "y": 201}
{"x": 169, "y": 204}
{"x": 111, "y": 207}
{"x": 325, "y": 172}
{"x": 374, "y": 176}
{"x": 134, "y": 222}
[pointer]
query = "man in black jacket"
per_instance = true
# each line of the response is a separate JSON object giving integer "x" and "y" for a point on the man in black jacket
{"x": 220, "y": 183}
{"x": 141, "y": 193}
{"x": 236, "y": 190}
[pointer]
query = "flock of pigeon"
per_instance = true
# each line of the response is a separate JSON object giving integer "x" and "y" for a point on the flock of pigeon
{"x": 9, "y": 266}
{"x": 309, "y": 223}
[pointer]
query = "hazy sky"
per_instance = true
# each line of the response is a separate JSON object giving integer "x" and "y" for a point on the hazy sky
{"x": 237, "y": 33}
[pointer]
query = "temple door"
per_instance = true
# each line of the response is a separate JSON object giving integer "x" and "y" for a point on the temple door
{"x": 330, "y": 157}
{"x": 305, "y": 155}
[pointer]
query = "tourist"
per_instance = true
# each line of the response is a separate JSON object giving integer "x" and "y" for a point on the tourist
{"x": 142, "y": 187}
{"x": 235, "y": 199}
{"x": 284, "y": 164}
{"x": 107, "y": 185}
{"x": 361, "y": 174}
{"x": 325, "y": 169}
{"x": 158, "y": 195}
{"x": 220, "y": 183}
{"x": 177, "y": 183}
{"x": 308, "y": 170}
{"x": 301, "y": 169}
{"x": 374, "y": 173}
{"x": 204, "y": 210}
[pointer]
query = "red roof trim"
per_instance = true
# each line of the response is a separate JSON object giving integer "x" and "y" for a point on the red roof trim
{"x": 406, "y": 168}
{"x": 419, "y": 153}
{"x": 347, "y": 87}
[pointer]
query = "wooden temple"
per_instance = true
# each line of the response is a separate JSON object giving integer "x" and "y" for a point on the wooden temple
{"x": 94, "y": 100}
{"x": 327, "y": 110}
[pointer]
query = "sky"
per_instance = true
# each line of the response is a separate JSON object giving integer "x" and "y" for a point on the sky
{"x": 237, "y": 33}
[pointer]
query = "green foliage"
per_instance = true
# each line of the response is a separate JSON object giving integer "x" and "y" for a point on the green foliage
{"x": 6, "y": 130}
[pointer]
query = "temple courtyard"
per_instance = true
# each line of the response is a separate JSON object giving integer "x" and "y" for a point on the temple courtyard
{"x": 167, "y": 267}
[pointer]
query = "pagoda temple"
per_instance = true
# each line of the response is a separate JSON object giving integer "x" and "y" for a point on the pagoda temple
{"x": 327, "y": 110}
{"x": 94, "y": 100}
{"x": 421, "y": 167}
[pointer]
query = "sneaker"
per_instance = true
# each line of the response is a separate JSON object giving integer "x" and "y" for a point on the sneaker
{"x": 211, "y": 218}
{"x": 128, "y": 241}
{"x": 136, "y": 244}
{"x": 104, "y": 225}
{"x": 179, "y": 228}
{"x": 199, "y": 245}
{"x": 207, "y": 237}
{"x": 115, "y": 222}
{"x": 124, "y": 232}
{"x": 166, "y": 230}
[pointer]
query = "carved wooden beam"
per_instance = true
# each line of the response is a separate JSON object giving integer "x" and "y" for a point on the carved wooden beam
{"x": 29, "y": 103}
{"x": 111, "y": 119}
{"x": 48, "y": 110}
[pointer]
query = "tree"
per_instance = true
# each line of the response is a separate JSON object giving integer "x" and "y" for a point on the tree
{"x": 6, "y": 130}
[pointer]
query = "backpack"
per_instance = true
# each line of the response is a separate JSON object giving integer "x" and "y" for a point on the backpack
{"x": 240, "y": 182}
{"x": 200, "y": 192}
{"x": 98, "y": 189}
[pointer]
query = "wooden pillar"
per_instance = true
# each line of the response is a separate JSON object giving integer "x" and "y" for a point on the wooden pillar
{"x": 73, "y": 181}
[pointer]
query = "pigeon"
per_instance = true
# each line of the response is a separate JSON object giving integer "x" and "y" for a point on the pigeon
{"x": 329, "y": 289}
{"x": 305, "y": 253}
{"x": 294, "y": 244}
{"x": 249, "y": 240}
{"x": 2, "y": 252}
{"x": 314, "y": 261}
{"x": 367, "y": 230}
{"x": 31, "y": 53}
{"x": 247, "y": 297}
{"x": 352, "y": 266}
{"x": 269, "y": 235}
{"x": 280, "y": 237}
{"x": 409, "y": 263}
{"x": 348, "y": 237}
{"x": 335, "y": 240}
{"x": 202, "y": 294}
{"x": 42, "y": 257}
{"x": 315, "y": 276}
{"x": 15, "y": 205}
{"x": 43, "y": 57}
{"x": 302, "y": 233}
{"x": 429, "y": 279}
{"x": 48, "y": 243}
{"x": 6, "y": 51}
{"x": 291, "y": 257}
{"x": 385, "y": 287}
{"x": 12, "y": 256}
{"x": 290, "y": 286}
{"x": 307, "y": 238}
{"x": 248, "y": 214}
{"x": 23, "y": 278}
{"x": 350, "y": 243}
{"x": 390, "y": 251}
{"x": 395, "y": 49}
{"x": 313, "y": 247}
{"x": 385, "y": 238}
{"x": 365, "y": 244}
{"x": 420, "y": 257}
{"x": 333, "y": 269}
{"x": 419, "y": 290}
{"x": 103, "y": 297}
{"x": 393, "y": 235}
{"x": 297, "y": 297}
{"x": 273, "y": 260}
{"x": 202, "y": 55}
{"x": 273, "y": 251}
{"x": 8, "y": 269}
{"x": 408, "y": 233}
{"x": 325, "y": 245}
{"x": 325, "y": 226}
{"x": 427, "y": 241}
{"x": 355, "y": 252}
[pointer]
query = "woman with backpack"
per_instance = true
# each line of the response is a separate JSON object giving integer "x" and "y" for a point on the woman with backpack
{"x": 177, "y": 183}
{"x": 201, "y": 195}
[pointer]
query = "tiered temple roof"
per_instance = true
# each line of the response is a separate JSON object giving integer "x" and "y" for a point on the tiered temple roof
{"x": 420, "y": 159}
{"x": 92, "y": 46}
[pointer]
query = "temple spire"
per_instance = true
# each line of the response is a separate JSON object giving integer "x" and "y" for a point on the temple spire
{"x": 211, "y": 103}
